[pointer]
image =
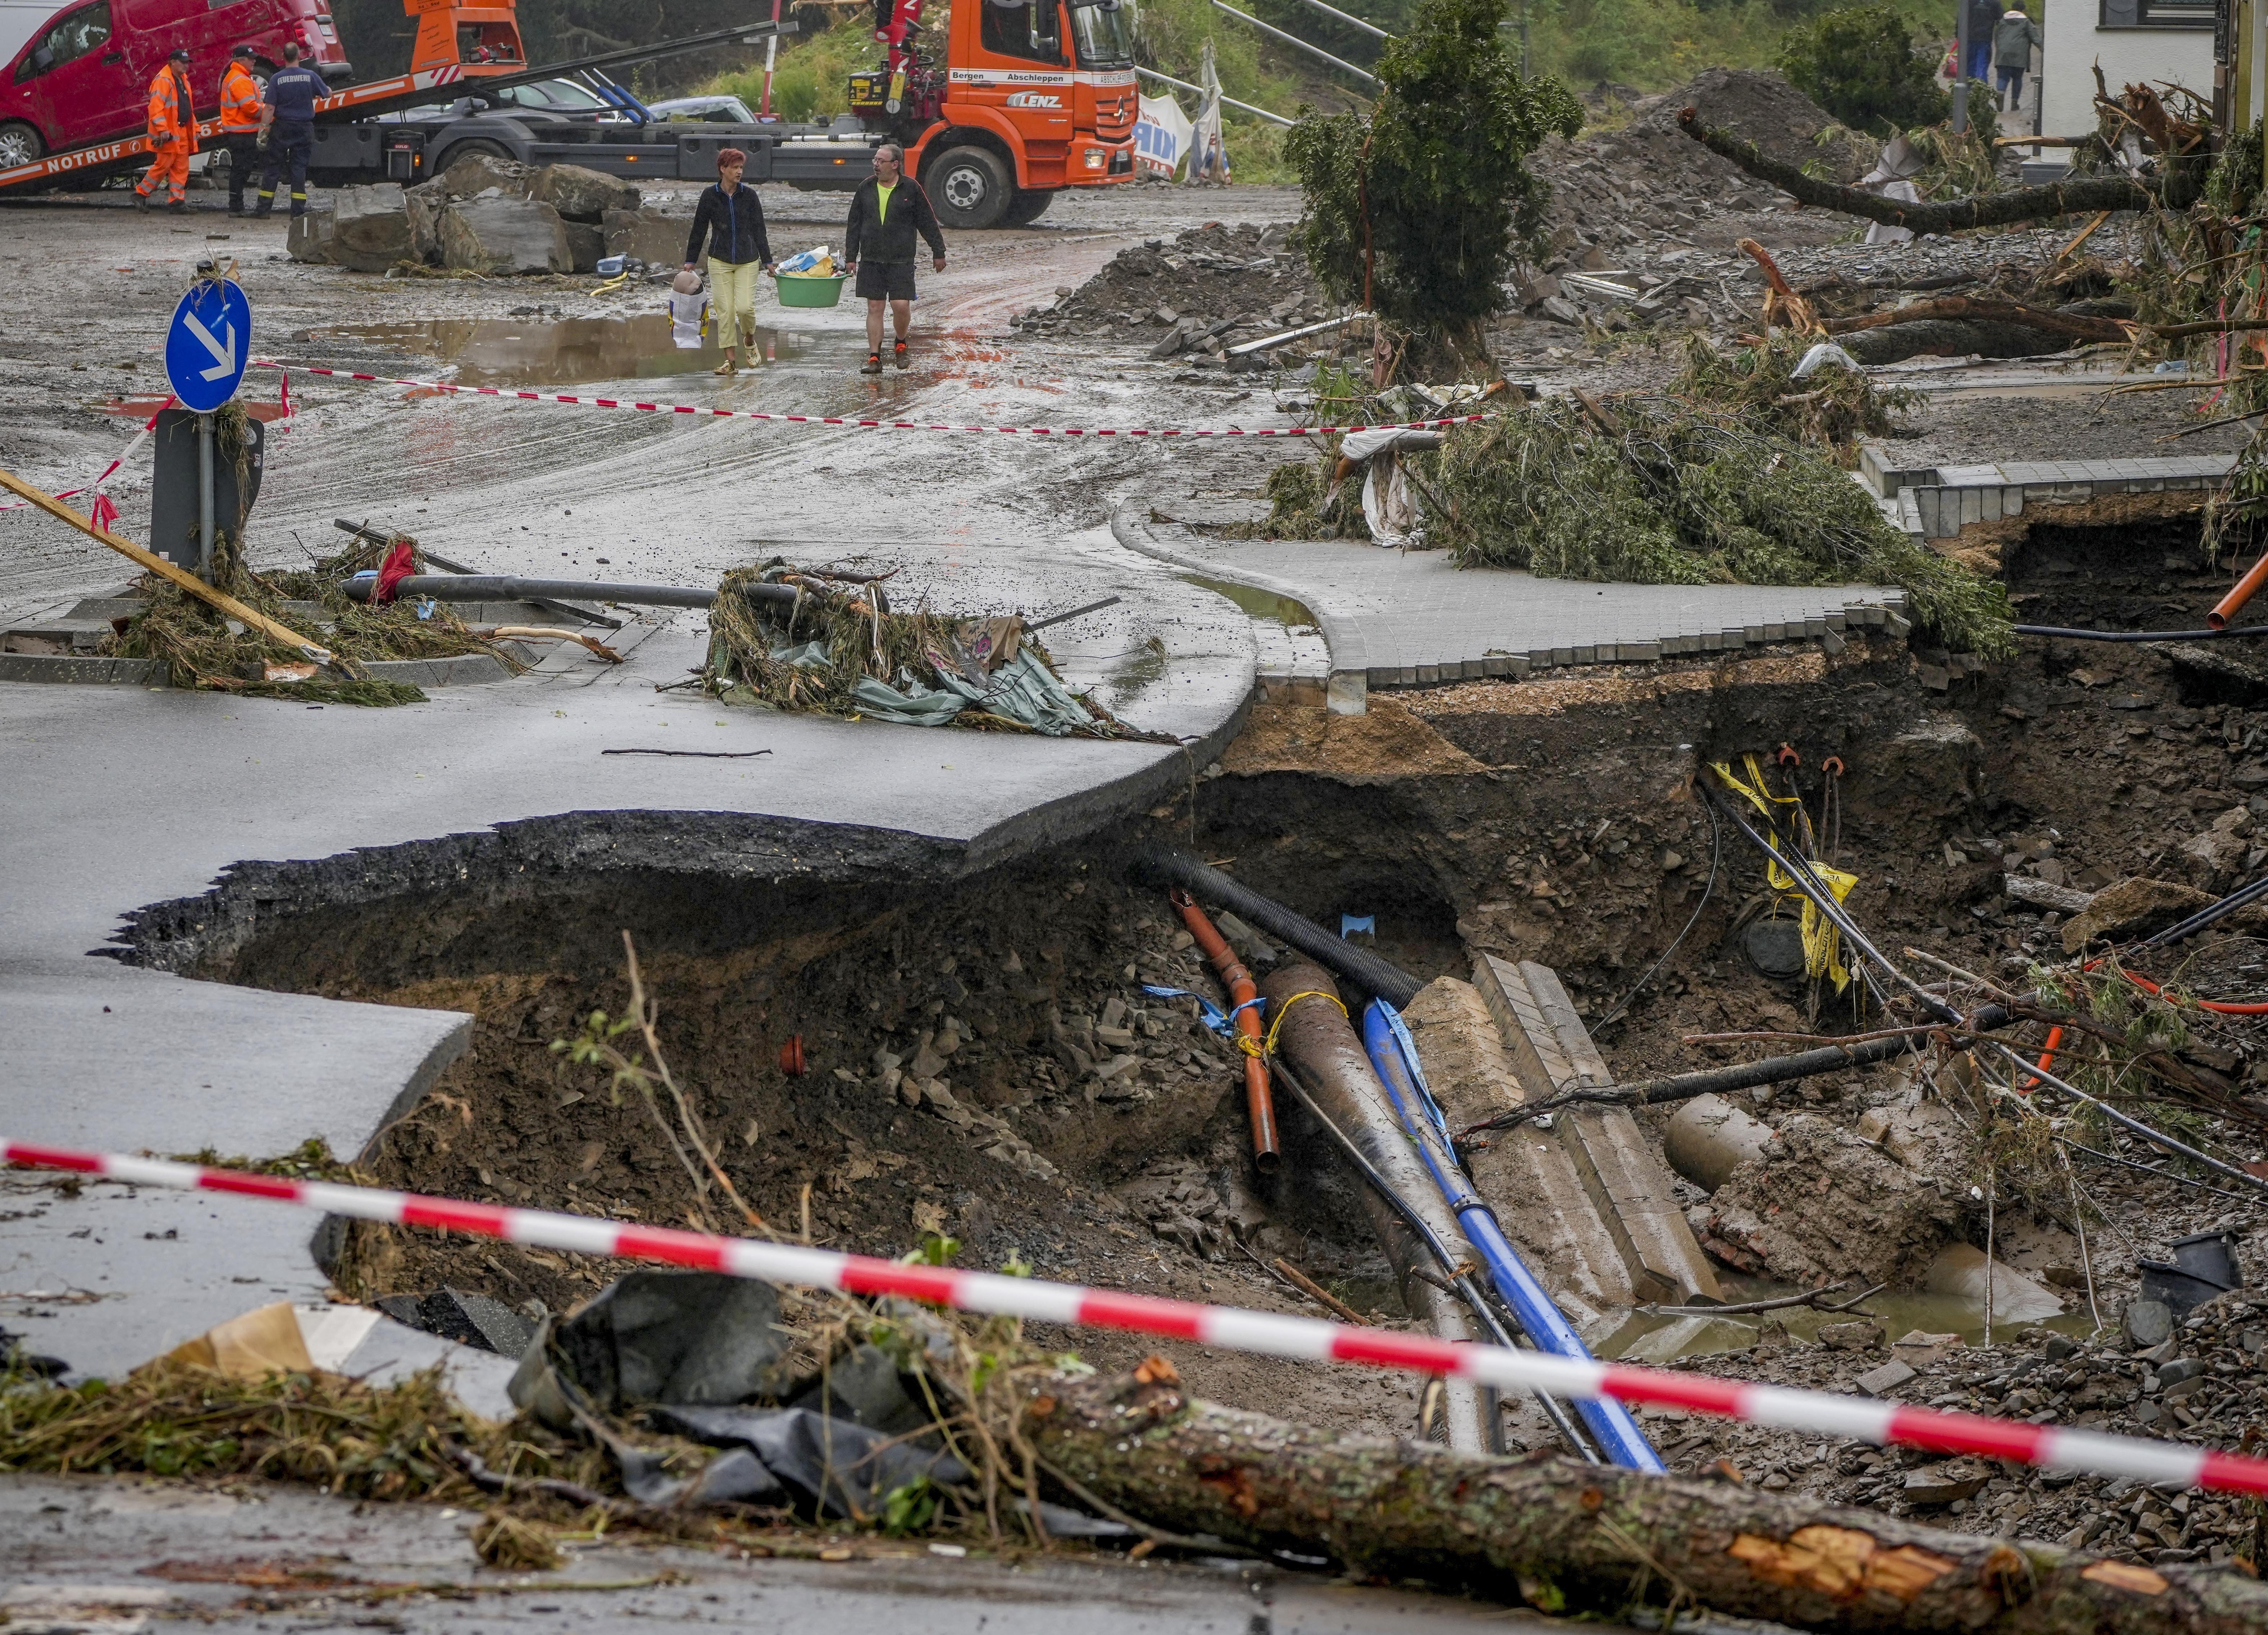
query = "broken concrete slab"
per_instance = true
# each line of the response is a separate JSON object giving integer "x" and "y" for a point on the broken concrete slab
{"x": 1960, "y": 1269}
{"x": 1883, "y": 1381}
{"x": 497, "y": 236}
{"x": 309, "y": 237}
{"x": 1612, "y": 1157}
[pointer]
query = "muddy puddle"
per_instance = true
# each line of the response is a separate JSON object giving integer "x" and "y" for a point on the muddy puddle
{"x": 563, "y": 351}
{"x": 1650, "y": 1337}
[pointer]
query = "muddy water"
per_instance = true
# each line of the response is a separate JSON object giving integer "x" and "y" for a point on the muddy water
{"x": 1659, "y": 1339}
{"x": 564, "y": 351}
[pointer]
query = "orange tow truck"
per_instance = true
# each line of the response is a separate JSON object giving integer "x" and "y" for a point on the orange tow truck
{"x": 1031, "y": 98}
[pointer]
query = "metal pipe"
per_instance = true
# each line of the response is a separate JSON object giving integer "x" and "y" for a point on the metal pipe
{"x": 2204, "y": 916}
{"x": 509, "y": 587}
{"x": 1312, "y": 1032}
{"x": 1259, "y": 1105}
{"x": 1184, "y": 85}
{"x": 1393, "y": 1057}
{"x": 1294, "y": 40}
{"x": 1267, "y": 341}
{"x": 2243, "y": 591}
{"x": 205, "y": 497}
{"x": 2157, "y": 1137}
{"x": 363, "y": 531}
{"x": 1165, "y": 866}
{"x": 1371, "y": 29}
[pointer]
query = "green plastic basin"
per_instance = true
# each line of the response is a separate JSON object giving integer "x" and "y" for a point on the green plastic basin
{"x": 804, "y": 289}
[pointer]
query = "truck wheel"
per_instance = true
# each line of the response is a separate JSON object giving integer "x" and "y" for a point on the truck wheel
{"x": 19, "y": 145}
{"x": 1028, "y": 205}
{"x": 468, "y": 146}
{"x": 970, "y": 188}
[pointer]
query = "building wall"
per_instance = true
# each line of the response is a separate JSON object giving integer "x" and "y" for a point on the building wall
{"x": 2076, "y": 41}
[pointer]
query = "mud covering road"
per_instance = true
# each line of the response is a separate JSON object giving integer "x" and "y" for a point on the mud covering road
{"x": 547, "y": 488}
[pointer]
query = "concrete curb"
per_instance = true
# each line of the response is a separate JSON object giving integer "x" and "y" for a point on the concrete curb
{"x": 1352, "y": 674}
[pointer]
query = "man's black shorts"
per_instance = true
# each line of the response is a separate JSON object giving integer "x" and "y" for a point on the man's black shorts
{"x": 885, "y": 281}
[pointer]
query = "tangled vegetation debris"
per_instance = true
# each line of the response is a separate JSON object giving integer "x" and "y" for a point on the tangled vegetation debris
{"x": 202, "y": 649}
{"x": 1672, "y": 495}
{"x": 1830, "y": 409}
{"x": 839, "y": 649}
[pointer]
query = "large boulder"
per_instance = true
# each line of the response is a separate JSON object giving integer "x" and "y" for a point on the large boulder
{"x": 2132, "y": 907}
{"x": 370, "y": 228}
{"x": 310, "y": 237}
{"x": 503, "y": 235}
{"x": 586, "y": 243}
{"x": 473, "y": 175}
{"x": 654, "y": 237}
{"x": 581, "y": 195}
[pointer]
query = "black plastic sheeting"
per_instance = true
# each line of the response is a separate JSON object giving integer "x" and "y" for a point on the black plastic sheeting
{"x": 1163, "y": 865}
{"x": 690, "y": 1348}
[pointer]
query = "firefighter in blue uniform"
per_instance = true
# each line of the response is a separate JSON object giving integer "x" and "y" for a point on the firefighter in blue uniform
{"x": 289, "y": 123}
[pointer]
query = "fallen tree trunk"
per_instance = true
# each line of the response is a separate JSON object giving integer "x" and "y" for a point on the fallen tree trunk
{"x": 1962, "y": 307}
{"x": 1988, "y": 209}
{"x": 1573, "y": 1537}
{"x": 1943, "y": 337}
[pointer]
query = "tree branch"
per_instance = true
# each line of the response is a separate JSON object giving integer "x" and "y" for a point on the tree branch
{"x": 1988, "y": 209}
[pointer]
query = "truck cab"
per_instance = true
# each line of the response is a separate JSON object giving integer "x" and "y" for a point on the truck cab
{"x": 1035, "y": 97}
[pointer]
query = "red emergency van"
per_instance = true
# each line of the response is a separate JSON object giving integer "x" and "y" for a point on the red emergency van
{"x": 81, "y": 73}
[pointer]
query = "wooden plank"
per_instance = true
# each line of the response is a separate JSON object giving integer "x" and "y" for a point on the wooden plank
{"x": 190, "y": 582}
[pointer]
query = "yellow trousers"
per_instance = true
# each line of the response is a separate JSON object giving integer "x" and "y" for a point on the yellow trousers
{"x": 732, "y": 300}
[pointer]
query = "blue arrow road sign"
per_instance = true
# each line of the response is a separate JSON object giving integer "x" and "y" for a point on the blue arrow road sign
{"x": 208, "y": 344}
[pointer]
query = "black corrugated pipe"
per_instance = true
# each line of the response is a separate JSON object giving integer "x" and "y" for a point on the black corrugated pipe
{"x": 2060, "y": 634}
{"x": 1166, "y": 866}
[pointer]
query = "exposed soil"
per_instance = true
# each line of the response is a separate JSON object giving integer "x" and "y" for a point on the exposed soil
{"x": 1094, "y": 1131}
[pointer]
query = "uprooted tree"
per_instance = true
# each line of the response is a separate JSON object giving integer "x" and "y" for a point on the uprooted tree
{"x": 1415, "y": 208}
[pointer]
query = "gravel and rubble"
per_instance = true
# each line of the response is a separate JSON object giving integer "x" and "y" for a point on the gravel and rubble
{"x": 2205, "y": 1384}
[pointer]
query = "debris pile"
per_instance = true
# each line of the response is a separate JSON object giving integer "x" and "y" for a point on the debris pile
{"x": 203, "y": 649}
{"x": 832, "y": 646}
{"x": 2204, "y": 1382}
{"x": 1208, "y": 289}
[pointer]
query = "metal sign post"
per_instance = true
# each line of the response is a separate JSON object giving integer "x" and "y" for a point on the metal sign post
{"x": 207, "y": 347}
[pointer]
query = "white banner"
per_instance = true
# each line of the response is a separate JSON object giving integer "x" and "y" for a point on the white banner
{"x": 1161, "y": 136}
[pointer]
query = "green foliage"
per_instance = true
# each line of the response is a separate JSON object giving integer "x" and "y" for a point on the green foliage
{"x": 1862, "y": 65}
{"x": 1829, "y": 410}
{"x": 1681, "y": 496}
{"x": 810, "y": 82}
{"x": 1418, "y": 203}
{"x": 911, "y": 1509}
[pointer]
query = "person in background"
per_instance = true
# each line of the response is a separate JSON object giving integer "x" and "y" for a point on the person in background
{"x": 877, "y": 245}
{"x": 1984, "y": 18}
{"x": 172, "y": 134}
{"x": 2014, "y": 36}
{"x": 289, "y": 124}
{"x": 732, "y": 222}
{"x": 241, "y": 119}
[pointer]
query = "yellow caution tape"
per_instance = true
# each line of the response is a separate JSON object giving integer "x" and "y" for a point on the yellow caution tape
{"x": 1823, "y": 945}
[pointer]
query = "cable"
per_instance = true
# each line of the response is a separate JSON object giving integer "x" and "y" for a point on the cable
{"x": 2156, "y": 1137}
{"x": 1716, "y": 848}
{"x": 2060, "y": 634}
{"x": 1467, "y": 1290}
{"x": 2162, "y": 1175}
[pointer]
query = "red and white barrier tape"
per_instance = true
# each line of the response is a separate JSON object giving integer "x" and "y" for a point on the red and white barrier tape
{"x": 1267, "y": 1334}
{"x": 870, "y": 426}
{"x": 95, "y": 488}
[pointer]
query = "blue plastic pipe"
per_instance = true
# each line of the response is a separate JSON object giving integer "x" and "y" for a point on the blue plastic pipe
{"x": 1394, "y": 1055}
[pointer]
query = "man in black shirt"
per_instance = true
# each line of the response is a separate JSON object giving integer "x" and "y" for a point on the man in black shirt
{"x": 877, "y": 242}
{"x": 288, "y": 120}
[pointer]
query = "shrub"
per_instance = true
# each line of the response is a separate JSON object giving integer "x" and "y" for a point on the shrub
{"x": 1862, "y": 66}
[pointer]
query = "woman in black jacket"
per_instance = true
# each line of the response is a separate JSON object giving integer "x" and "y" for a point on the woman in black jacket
{"x": 732, "y": 222}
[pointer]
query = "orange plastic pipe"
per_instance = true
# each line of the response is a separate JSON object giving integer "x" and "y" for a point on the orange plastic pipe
{"x": 2255, "y": 576}
{"x": 1259, "y": 1099}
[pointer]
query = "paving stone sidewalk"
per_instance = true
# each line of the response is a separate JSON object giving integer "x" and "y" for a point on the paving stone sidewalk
{"x": 1410, "y": 619}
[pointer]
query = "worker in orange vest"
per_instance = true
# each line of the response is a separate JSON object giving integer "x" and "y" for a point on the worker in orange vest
{"x": 240, "y": 102}
{"x": 173, "y": 133}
